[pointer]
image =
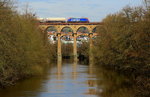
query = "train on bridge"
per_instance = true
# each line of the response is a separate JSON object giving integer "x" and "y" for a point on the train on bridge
{"x": 63, "y": 20}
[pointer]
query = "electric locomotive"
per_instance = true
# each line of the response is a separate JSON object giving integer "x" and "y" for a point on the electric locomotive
{"x": 78, "y": 20}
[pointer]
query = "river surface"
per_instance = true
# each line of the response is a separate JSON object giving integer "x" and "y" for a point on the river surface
{"x": 71, "y": 79}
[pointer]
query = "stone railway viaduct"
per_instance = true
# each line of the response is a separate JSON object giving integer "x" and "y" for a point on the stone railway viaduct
{"x": 74, "y": 33}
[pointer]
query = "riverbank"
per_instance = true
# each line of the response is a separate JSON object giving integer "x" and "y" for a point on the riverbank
{"x": 123, "y": 46}
{"x": 113, "y": 84}
{"x": 135, "y": 82}
{"x": 24, "y": 49}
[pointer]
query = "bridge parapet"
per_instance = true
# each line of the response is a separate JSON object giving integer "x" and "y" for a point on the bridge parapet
{"x": 91, "y": 23}
{"x": 74, "y": 26}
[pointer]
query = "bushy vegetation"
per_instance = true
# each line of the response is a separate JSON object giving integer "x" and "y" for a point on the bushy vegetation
{"x": 83, "y": 50}
{"x": 23, "y": 49}
{"x": 67, "y": 50}
{"x": 124, "y": 45}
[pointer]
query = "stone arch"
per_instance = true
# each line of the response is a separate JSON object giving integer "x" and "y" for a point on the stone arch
{"x": 66, "y": 29}
{"x": 51, "y": 29}
{"x": 83, "y": 29}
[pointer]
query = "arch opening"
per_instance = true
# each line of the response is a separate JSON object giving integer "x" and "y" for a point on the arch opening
{"x": 52, "y": 38}
{"x": 83, "y": 29}
{"x": 82, "y": 38}
{"x": 66, "y": 30}
{"x": 51, "y": 29}
{"x": 67, "y": 46}
{"x": 67, "y": 39}
{"x": 50, "y": 32}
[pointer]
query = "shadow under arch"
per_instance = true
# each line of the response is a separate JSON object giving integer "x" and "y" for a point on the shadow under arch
{"x": 83, "y": 29}
{"x": 67, "y": 37}
{"x": 95, "y": 29}
{"x": 83, "y": 38}
{"x": 51, "y": 29}
{"x": 67, "y": 30}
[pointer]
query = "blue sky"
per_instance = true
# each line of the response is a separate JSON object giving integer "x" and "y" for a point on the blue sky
{"x": 95, "y": 10}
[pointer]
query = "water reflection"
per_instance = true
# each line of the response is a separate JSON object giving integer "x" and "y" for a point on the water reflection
{"x": 64, "y": 79}
{"x": 27, "y": 88}
{"x": 72, "y": 79}
{"x": 112, "y": 84}
{"x": 74, "y": 70}
{"x": 92, "y": 82}
{"x": 59, "y": 69}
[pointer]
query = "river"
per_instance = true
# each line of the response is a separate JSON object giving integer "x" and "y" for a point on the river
{"x": 70, "y": 79}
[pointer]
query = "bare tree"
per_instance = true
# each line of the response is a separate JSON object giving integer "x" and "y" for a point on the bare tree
{"x": 147, "y": 3}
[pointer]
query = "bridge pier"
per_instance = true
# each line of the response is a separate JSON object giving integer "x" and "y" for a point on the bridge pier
{"x": 75, "y": 47}
{"x": 59, "y": 53}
